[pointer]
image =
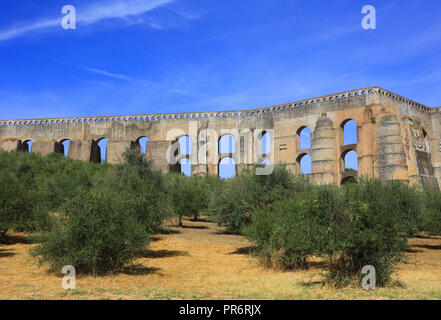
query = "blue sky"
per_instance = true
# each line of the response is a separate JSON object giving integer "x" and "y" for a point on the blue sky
{"x": 150, "y": 56}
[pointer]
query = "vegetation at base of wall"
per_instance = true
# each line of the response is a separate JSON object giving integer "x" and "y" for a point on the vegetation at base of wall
{"x": 431, "y": 217}
{"x": 300, "y": 226}
{"x": 367, "y": 223}
{"x": 98, "y": 217}
{"x": 189, "y": 195}
{"x": 359, "y": 224}
{"x": 16, "y": 200}
{"x": 233, "y": 204}
{"x": 98, "y": 231}
{"x": 94, "y": 217}
{"x": 380, "y": 219}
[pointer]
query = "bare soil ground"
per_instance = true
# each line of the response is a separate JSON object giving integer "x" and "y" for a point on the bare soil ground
{"x": 201, "y": 261}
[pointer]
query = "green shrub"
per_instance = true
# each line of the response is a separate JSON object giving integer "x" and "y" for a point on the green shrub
{"x": 235, "y": 201}
{"x": 49, "y": 180}
{"x": 305, "y": 224}
{"x": 97, "y": 232}
{"x": 16, "y": 205}
{"x": 135, "y": 160}
{"x": 145, "y": 188}
{"x": 350, "y": 227}
{"x": 233, "y": 204}
{"x": 188, "y": 195}
{"x": 431, "y": 217}
{"x": 282, "y": 237}
{"x": 145, "y": 197}
{"x": 383, "y": 215}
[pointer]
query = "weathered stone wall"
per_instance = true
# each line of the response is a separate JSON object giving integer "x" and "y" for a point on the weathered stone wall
{"x": 384, "y": 146}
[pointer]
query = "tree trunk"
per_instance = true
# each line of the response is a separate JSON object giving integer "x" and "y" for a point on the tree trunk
{"x": 3, "y": 235}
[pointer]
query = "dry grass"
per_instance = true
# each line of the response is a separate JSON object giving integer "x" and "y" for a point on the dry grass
{"x": 200, "y": 261}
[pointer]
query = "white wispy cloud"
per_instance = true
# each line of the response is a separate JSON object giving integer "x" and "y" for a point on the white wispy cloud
{"x": 95, "y": 12}
{"x": 118, "y": 9}
{"x": 25, "y": 28}
{"x": 139, "y": 82}
{"x": 110, "y": 74}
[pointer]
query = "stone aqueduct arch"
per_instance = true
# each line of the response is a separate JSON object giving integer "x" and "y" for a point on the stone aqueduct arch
{"x": 384, "y": 146}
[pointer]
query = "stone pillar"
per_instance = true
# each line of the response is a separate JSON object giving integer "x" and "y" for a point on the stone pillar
{"x": 80, "y": 150}
{"x": 435, "y": 146}
{"x": 245, "y": 147}
{"x": 199, "y": 170}
{"x": 212, "y": 145}
{"x": 437, "y": 175}
{"x": 436, "y": 159}
{"x": 391, "y": 158}
{"x": 9, "y": 145}
{"x": 324, "y": 152}
{"x": 205, "y": 158}
{"x": 158, "y": 155}
{"x": 366, "y": 150}
{"x": 198, "y": 157}
{"x": 44, "y": 148}
{"x": 285, "y": 152}
{"x": 115, "y": 151}
{"x": 212, "y": 154}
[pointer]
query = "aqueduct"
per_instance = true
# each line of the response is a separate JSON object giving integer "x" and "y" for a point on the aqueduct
{"x": 397, "y": 138}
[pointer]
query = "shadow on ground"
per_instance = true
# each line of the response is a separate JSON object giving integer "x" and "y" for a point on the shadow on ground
{"x": 19, "y": 239}
{"x": 310, "y": 284}
{"x": 169, "y": 231}
{"x": 139, "y": 270}
{"x": 244, "y": 250}
{"x": 225, "y": 233}
{"x": 194, "y": 227}
{"x": 426, "y": 236}
{"x": 200, "y": 220}
{"x": 428, "y": 246}
{"x": 155, "y": 254}
{"x": 413, "y": 250}
{"x": 6, "y": 253}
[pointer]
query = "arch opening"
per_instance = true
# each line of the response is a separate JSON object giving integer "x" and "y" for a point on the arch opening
{"x": 350, "y": 160}
{"x": 185, "y": 149}
{"x": 266, "y": 143}
{"x": 227, "y": 144}
{"x": 62, "y": 147}
{"x": 182, "y": 154}
{"x": 25, "y": 146}
{"x": 142, "y": 143}
{"x": 102, "y": 143}
{"x": 349, "y": 128}
{"x": 185, "y": 166}
{"x": 66, "y": 145}
{"x": 265, "y": 149}
{"x": 98, "y": 153}
{"x": 304, "y": 134}
{"x": 227, "y": 168}
{"x": 305, "y": 163}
